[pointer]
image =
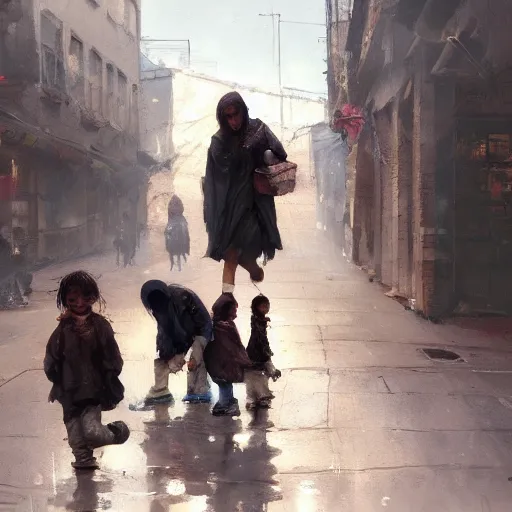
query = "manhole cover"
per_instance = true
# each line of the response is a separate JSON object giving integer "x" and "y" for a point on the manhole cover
{"x": 438, "y": 354}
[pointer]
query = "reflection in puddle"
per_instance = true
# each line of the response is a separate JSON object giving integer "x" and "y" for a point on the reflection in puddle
{"x": 176, "y": 488}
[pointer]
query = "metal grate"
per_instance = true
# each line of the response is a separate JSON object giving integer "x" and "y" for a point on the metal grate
{"x": 438, "y": 354}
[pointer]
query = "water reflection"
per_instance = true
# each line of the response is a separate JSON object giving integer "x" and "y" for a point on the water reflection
{"x": 245, "y": 476}
{"x": 85, "y": 491}
{"x": 176, "y": 450}
{"x": 199, "y": 463}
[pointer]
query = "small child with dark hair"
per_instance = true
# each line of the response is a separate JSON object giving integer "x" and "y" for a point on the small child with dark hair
{"x": 177, "y": 238}
{"x": 83, "y": 362}
{"x": 260, "y": 354}
{"x": 225, "y": 356}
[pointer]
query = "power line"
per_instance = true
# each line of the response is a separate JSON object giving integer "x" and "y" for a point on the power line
{"x": 303, "y": 23}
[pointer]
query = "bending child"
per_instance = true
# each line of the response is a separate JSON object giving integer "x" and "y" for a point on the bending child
{"x": 260, "y": 354}
{"x": 183, "y": 322}
{"x": 83, "y": 362}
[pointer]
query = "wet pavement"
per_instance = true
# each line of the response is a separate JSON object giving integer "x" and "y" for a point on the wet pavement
{"x": 362, "y": 421}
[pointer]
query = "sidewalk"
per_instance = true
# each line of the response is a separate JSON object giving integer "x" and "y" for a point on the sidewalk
{"x": 362, "y": 418}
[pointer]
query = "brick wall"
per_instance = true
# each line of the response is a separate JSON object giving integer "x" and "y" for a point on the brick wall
{"x": 424, "y": 193}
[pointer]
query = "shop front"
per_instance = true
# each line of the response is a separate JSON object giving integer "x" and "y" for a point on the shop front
{"x": 483, "y": 200}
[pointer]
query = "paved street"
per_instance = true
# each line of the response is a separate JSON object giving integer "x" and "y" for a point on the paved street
{"x": 363, "y": 421}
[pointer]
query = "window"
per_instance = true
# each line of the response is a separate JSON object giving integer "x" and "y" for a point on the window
{"x": 110, "y": 92}
{"x": 95, "y": 82}
{"x": 52, "y": 58}
{"x": 122, "y": 100}
{"x": 76, "y": 69}
{"x": 131, "y": 14}
{"x": 116, "y": 10}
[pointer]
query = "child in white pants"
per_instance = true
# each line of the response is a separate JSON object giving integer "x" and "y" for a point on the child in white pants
{"x": 260, "y": 354}
{"x": 183, "y": 324}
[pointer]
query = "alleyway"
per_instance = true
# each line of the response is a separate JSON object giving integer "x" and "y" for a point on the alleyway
{"x": 362, "y": 420}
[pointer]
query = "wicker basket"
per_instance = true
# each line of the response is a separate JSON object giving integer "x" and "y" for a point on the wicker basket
{"x": 276, "y": 180}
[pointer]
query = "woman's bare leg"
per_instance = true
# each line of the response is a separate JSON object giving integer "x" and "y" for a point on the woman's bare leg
{"x": 229, "y": 271}
{"x": 255, "y": 271}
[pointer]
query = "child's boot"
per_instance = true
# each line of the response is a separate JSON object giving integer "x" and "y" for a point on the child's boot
{"x": 231, "y": 409}
{"x": 120, "y": 430}
{"x": 91, "y": 465}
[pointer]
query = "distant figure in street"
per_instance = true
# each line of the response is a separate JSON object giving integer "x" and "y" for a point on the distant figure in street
{"x": 142, "y": 231}
{"x": 125, "y": 242}
{"x": 260, "y": 354}
{"x": 20, "y": 257}
{"x": 177, "y": 238}
{"x": 183, "y": 323}
{"x": 225, "y": 357}
{"x": 83, "y": 362}
{"x": 14, "y": 283}
{"x": 241, "y": 223}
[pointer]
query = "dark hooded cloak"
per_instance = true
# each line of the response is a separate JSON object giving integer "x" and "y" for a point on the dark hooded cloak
{"x": 175, "y": 207}
{"x": 185, "y": 318}
{"x": 236, "y": 216}
{"x": 177, "y": 236}
{"x": 225, "y": 357}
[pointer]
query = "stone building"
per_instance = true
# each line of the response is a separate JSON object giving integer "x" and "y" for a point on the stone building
{"x": 69, "y": 84}
{"x": 337, "y": 24}
{"x": 432, "y": 216}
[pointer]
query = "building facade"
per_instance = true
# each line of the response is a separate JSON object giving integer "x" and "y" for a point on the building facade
{"x": 69, "y": 86}
{"x": 156, "y": 111}
{"x": 431, "y": 214}
{"x": 337, "y": 24}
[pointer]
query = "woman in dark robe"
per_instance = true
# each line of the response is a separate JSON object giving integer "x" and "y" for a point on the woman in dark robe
{"x": 241, "y": 223}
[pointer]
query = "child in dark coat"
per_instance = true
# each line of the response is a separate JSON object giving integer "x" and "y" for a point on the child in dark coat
{"x": 177, "y": 238}
{"x": 260, "y": 354}
{"x": 83, "y": 362}
{"x": 225, "y": 357}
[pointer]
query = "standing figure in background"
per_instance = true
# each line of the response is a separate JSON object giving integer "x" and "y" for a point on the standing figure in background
{"x": 241, "y": 223}
{"x": 126, "y": 241}
{"x": 260, "y": 354}
{"x": 20, "y": 257}
{"x": 183, "y": 323}
{"x": 83, "y": 362}
{"x": 177, "y": 238}
{"x": 12, "y": 293}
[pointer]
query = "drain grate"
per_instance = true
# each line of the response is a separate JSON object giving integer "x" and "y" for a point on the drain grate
{"x": 438, "y": 354}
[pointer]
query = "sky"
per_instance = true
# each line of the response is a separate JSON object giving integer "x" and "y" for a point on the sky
{"x": 230, "y": 40}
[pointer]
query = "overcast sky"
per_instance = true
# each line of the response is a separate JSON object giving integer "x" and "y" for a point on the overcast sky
{"x": 229, "y": 39}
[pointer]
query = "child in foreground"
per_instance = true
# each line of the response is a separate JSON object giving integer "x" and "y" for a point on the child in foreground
{"x": 83, "y": 362}
{"x": 260, "y": 354}
{"x": 225, "y": 357}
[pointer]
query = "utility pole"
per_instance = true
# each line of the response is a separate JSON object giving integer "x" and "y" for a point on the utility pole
{"x": 274, "y": 15}
{"x": 278, "y": 16}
